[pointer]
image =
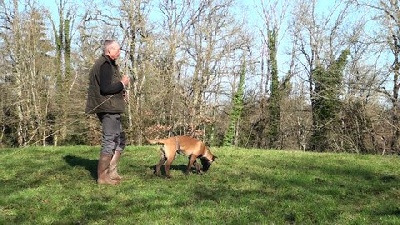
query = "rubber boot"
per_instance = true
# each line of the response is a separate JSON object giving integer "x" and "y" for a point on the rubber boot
{"x": 102, "y": 170}
{"x": 112, "y": 172}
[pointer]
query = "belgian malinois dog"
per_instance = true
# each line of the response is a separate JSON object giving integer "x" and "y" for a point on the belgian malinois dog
{"x": 186, "y": 145}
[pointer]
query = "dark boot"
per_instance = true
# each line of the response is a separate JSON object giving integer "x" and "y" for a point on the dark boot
{"x": 102, "y": 170}
{"x": 112, "y": 172}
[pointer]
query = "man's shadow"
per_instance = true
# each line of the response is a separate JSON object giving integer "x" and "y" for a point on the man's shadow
{"x": 89, "y": 164}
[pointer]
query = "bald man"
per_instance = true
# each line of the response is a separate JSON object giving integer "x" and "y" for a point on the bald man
{"x": 106, "y": 94}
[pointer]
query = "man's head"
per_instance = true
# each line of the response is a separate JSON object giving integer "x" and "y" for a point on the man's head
{"x": 112, "y": 49}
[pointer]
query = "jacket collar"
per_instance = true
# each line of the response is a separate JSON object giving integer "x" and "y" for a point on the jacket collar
{"x": 112, "y": 62}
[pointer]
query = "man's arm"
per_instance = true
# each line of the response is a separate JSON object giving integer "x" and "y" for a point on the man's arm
{"x": 106, "y": 87}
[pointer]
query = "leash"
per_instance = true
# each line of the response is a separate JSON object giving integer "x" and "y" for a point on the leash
{"x": 97, "y": 106}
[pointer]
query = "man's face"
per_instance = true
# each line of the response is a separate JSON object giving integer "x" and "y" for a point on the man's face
{"x": 114, "y": 51}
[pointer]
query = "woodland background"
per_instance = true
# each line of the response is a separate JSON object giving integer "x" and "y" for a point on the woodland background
{"x": 285, "y": 75}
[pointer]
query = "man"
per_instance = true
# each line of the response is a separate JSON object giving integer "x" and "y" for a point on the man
{"x": 106, "y": 94}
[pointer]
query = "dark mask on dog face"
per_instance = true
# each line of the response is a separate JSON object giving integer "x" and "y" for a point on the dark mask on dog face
{"x": 206, "y": 164}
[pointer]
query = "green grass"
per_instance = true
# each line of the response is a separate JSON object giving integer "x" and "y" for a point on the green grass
{"x": 57, "y": 185}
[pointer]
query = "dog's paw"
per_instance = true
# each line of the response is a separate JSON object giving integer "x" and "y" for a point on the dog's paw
{"x": 158, "y": 174}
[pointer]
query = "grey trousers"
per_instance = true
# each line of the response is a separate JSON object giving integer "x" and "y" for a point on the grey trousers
{"x": 113, "y": 137}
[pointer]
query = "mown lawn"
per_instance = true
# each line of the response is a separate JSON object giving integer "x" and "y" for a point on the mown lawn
{"x": 57, "y": 185}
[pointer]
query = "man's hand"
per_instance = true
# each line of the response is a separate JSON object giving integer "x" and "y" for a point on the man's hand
{"x": 125, "y": 80}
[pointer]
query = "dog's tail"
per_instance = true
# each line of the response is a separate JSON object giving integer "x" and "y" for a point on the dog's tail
{"x": 153, "y": 141}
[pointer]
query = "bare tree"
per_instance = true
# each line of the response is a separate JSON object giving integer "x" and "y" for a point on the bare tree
{"x": 64, "y": 71}
{"x": 214, "y": 44}
{"x": 138, "y": 44}
{"x": 389, "y": 19}
{"x": 199, "y": 45}
{"x": 23, "y": 36}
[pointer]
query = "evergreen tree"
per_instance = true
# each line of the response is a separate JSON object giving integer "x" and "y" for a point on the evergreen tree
{"x": 275, "y": 99}
{"x": 326, "y": 103}
{"x": 231, "y": 135}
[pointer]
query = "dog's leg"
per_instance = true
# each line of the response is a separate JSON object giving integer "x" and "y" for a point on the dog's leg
{"x": 192, "y": 160}
{"x": 168, "y": 165}
{"x": 170, "y": 154}
{"x": 197, "y": 165}
{"x": 158, "y": 166}
{"x": 163, "y": 158}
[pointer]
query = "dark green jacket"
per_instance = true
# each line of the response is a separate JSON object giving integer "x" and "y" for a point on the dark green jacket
{"x": 98, "y": 103}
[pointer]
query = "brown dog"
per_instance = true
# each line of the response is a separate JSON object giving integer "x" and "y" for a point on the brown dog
{"x": 183, "y": 145}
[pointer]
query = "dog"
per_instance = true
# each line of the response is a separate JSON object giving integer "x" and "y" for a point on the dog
{"x": 186, "y": 145}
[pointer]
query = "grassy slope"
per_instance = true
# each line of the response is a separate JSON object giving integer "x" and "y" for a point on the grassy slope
{"x": 57, "y": 186}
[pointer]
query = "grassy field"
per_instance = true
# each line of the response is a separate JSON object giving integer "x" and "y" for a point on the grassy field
{"x": 57, "y": 185}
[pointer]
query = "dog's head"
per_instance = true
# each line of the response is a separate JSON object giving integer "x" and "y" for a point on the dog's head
{"x": 207, "y": 160}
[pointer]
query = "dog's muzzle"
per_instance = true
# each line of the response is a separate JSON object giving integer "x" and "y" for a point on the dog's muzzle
{"x": 206, "y": 163}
